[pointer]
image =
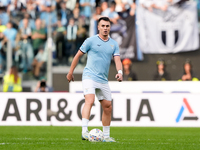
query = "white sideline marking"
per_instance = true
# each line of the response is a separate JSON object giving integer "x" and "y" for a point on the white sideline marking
{"x": 40, "y": 139}
{"x": 53, "y": 143}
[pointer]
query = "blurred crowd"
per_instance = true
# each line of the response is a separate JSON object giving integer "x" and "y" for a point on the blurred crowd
{"x": 25, "y": 26}
{"x": 161, "y": 74}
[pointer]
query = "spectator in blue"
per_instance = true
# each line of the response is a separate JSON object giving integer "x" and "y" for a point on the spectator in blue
{"x": 4, "y": 3}
{"x": 117, "y": 24}
{"x": 72, "y": 29}
{"x": 93, "y": 21}
{"x": 111, "y": 13}
{"x": 9, "y": 34}
{"x": 26, "y": 47}
{"x": 31, "y": 8}
{"x": 63, "y": 14}
{"x": 47, "y": 14}
{"x": 3, "y": 16}
{"x": 41, "y": 4}
{"x": 86, "y": 9}
{"x": 31, "y": 22}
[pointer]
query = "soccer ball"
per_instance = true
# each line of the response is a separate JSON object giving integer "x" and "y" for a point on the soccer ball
{"x": 95, "y": 135}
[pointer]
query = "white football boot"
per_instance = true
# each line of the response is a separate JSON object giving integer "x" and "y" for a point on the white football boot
{"x": 85, "y": 136}
{"x": 109, "y": 139}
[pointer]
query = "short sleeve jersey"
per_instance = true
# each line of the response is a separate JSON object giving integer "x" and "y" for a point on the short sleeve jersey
{"x": 99, "y": 56}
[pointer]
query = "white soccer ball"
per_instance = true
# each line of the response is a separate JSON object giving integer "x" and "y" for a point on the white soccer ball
{"x": 95, "y": 135}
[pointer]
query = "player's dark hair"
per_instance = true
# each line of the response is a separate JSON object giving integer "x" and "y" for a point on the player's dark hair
{"x": 103, "y": 18}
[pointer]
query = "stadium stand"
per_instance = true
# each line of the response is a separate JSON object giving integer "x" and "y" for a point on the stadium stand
{"x": 55, "y": 17}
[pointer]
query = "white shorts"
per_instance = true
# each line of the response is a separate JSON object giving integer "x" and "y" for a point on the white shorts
{"x": 101, "y": 90}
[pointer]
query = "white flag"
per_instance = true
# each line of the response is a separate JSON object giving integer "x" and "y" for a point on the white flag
{"x": 171, "y": 31}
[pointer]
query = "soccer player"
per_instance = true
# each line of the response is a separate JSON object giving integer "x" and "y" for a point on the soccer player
{"x": 100, "y": 49}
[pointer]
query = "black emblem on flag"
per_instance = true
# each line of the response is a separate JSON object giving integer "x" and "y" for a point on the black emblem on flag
{"x": 164, "y": 37}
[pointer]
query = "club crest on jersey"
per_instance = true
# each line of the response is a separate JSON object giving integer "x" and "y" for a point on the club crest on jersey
{"x": 112, "y": 46}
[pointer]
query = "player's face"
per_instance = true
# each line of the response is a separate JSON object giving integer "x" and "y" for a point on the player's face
{"x": 104, "y": 28}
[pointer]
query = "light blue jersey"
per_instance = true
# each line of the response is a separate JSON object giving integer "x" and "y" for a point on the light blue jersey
{"x": 99, "y": 55}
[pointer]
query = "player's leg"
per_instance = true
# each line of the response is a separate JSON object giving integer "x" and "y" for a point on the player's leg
{"x": 89, "y": 93}
{"x": 89, "y": 100}
{"x": 104, "y": 96}
{"x": 106, "y": 117}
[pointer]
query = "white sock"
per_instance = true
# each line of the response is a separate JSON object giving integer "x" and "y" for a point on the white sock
{"x": 84, "y": 125}
{"x": 106, "y": 131}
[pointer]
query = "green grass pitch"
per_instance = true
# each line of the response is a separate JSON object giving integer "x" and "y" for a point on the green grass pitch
{"x": 69, "y": 138}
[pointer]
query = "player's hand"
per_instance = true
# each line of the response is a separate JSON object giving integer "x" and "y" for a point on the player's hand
{"x": 70, "y": 77}
{"x": 119, "y": 77}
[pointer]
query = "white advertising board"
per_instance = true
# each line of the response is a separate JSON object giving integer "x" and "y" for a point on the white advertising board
{"x": 159, "y": 110}
{"x": 145, "y": 87}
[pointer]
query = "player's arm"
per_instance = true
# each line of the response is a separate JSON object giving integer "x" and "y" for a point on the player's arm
{"x": 75, "y": 61}
{"x": 118, "y": 65}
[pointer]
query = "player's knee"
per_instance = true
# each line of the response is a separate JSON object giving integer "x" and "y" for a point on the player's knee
{"x": 108, "y": 109}
{"x": 90, "y": 103}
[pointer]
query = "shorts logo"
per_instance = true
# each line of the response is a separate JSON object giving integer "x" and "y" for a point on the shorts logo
{"x": 190, "y": 118}
{"x": 86, "y": 89}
